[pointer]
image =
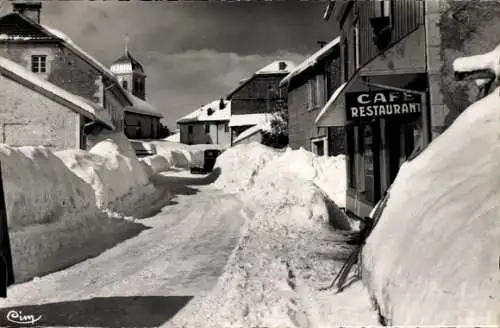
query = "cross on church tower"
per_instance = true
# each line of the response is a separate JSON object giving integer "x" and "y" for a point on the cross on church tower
{"x": 127, "y": 39}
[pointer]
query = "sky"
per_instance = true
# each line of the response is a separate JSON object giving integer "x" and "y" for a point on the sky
{"x": 193, "y": 52}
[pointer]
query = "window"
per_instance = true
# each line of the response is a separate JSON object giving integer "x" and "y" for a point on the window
{"x": 190, "y": 129}
{"x": 226, "y": 127}
{"x": 207, "y": 128}
{"x": 346, "y": 61}
{"x": 383, "y": 8}
{"x": 312, "y": 94}
{"x": 320, "y": 146}
{"x": 351, "y": 153}
{"x": 39, "y": 64}
{"x": 356, "y": 43}
{"x": 125, "y": 84}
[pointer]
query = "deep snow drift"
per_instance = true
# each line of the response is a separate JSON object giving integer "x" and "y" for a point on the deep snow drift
{"x": 113, "y": 170}
{"x": 52, "y": 214}
{"x": 433, "y": 257}
{"x": 286, "y": 252}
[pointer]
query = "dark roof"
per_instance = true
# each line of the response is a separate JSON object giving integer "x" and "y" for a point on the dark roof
{"x": 15, "y": 28}
{"x": 128, "y": 59}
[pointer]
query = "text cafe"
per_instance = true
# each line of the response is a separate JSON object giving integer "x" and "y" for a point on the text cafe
{"x": 383, "y": 131}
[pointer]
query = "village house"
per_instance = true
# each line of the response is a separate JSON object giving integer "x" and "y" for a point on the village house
{"x": 37, "y": 112}
{"x": 309, "y": 87}
{"x": 142, "y": 120}
{"x": 53, "y": 56}
{"x": 391, "y": 100}
{"x": 255, "y": 99}
{"x": 207, "y": 125}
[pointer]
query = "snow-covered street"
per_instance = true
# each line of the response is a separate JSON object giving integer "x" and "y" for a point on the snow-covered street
{"x": 145, "y": 280}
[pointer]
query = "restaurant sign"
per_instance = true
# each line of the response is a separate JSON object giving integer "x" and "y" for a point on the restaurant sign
{"x": 361, "y": 105}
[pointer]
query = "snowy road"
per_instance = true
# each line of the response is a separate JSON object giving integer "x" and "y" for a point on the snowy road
{"x": 145, "y": 280}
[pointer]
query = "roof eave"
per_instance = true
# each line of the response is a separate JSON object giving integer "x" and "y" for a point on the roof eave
{"x": 54, "y": 97}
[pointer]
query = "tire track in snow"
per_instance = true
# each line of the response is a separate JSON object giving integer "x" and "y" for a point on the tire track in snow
{"x": 183, "y": 252}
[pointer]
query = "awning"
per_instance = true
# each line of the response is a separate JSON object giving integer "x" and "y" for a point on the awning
{"x": 333, "y": 113}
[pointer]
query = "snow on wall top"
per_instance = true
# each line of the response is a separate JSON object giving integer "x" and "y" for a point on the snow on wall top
{"x": 266, "y": 126}
{"x": 249, "y": 119}
{"x": 85, "y": 107}
{"x": 277, "y": 67}
{"x": 140, "y": 106}
{"x": 202, "y": 114}
{"x": 312, "y": 60}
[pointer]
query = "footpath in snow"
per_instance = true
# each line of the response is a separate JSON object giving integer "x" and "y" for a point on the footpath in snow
{"x": 288, "y": 249}
{"x": 145, "y": 280}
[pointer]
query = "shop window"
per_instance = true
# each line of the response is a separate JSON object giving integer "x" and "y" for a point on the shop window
{"x": 367, "y": 158}
{"x": 351, "y": 153}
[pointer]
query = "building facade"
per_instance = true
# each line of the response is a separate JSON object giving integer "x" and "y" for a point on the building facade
{"x": 207, "y": 125}
{"x": 255, "y": 98}
{"x": 141, "y": 120}
{"x": 308, "y": 88}
{"x": 384, "y": 103}
{"x": 53, "y": 56}
{"x": 35, "y": 112}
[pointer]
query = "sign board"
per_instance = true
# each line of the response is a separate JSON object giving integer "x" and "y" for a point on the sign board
{"x": 360, "y": 105}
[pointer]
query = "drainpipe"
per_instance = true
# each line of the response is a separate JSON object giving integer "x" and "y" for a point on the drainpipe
{"x": 425, "y": 110}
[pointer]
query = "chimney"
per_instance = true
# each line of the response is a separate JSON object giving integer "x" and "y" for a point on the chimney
{"x": 222, "y": 105}
{"x": 282, "y": 66}
{"x": 322, "y": 43}
{"x": 29, "y": 9}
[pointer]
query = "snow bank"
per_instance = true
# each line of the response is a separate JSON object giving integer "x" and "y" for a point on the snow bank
{"x": 273, "y": 278}
{"x": 181, "y": 155}
{"x": 328, "y": 173}
{"x": 112, "y": 169}
{"x": 52, "y": 213}
{"x": 433, "y": 257}
{"x": 240, "y": 164}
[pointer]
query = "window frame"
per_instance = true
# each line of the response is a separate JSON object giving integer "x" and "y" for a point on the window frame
{"x": 357, "y": 59}
{"x": 39, "y": 61}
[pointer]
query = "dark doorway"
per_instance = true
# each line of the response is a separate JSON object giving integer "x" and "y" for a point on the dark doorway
{"x": 319, "y": 147}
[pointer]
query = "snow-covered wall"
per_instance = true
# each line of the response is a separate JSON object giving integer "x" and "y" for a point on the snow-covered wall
{"x": 433, "y": 257}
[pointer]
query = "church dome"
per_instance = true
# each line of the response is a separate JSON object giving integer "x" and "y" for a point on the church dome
{"x": 126, "y": 65}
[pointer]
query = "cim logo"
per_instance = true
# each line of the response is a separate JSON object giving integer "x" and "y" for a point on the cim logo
{"x": 22, "y": 319}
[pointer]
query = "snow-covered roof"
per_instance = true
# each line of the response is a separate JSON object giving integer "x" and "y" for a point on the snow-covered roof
{"x": 330, "y": 101}
{"x": 81, "y": 105}
{"x": 312, "y": 60}
{"x": 176, "y": 137}
{"x": 266, "y": 126}
{"x": 275, "y": 67}
{"x": 140, "y": 106}
{"x": 72, "y": 45}
{"x": 249, "y": 119}
{"x": 202, "y": 114}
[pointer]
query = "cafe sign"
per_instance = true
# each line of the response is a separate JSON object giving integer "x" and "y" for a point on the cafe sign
{"x": 384, "y": 103}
